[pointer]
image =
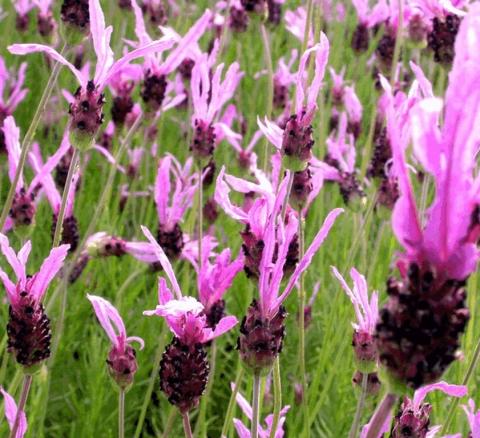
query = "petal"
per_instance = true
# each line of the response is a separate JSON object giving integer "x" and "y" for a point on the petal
{"x": 11, "y": 413}
{"x": 447, "y": 388}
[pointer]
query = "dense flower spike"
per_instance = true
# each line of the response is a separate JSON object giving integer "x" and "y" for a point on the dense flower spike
{"x": 11, "y": 413}
{"x": 28, "y": 327}
{"x": 185, "y": 317}
{"x": 75, "y": 15}
{"x": 295, "y": 141}
{"x": 262, "y": 329}
{"x": 86, "y": 109}
{"x": 122, "y": 362}
{"x": 419, "y": 328}
{"x": 208, "y": 98}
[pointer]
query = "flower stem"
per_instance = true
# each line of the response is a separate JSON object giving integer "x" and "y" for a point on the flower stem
{"x": 380, "y": 415}
{"x": 57, "y": 237}
{"x": 360, "y": 405}
{"x": 255, "y": 406}
{"x": 231, "y": 402}
{"x": 186, "y": 426}
{"x": 270, "y": 91}
{"x": 277, "y": 397}
{"x": 308, "y": 21}
{"x": 121, "y": 414}
{"x": 27, "y": 140}
{"x": 27, "y": 383}
{"x": 398, "y": 43}
{"x": 200, "y": 215}
{"x": 453, "y": 406}
{"x": 301, "y": 328}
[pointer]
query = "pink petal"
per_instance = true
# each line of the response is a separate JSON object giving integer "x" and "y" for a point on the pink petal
{"x": 24, "y": 49}
{"x": 447, "y": 388}
{"x": 108, "y": 314}
{"x": 50, "y": 267}
{"x": 163, "y": 259}
{"x": 11, "y": 413}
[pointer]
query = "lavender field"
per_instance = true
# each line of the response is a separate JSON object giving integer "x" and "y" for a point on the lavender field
{"x": 242, "y": 218}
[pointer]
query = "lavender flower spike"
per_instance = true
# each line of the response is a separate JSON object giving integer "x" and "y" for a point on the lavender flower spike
{"x": 28, "y": 327}
{"x": 122, "y": 362}
{"x": 86, "y": 110}
{"x": 184, "y": 367}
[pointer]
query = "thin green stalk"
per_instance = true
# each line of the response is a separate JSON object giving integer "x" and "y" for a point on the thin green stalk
{"x": 367, "y": 149}
{"x": 306, "y": 34}
{"x": 231, "y": 403}
{"x": 27, "y": 383}
{"x": 398, "y": 43}
{"x": 170, "y": 421}
{"x": 255, "y": 406}
{"x": 151, "y": 384}
{"x": 301, "y": 327}
{"x": 268, "y": 113}
{"x": 98, "y": 210}
{"x": 360, "y": 406}
{"x": 186, "y": 426}
{"x": 453, "y": 406}
{"x": 277, "y": 397}
{"x": 121, "y": 414}
{"x": 381, "y": 413}
{"x": 28, "y": 139}
{"x": 57, "y": 237}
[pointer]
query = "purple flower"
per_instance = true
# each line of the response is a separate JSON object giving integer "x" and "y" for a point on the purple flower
{"x": 184, "y": 315}
{"x": 86, "y": 110}
{"x": 11, "y": 414}
{"x": 13, "y": 86}
{"x": 473, "y": 419}
{"x": 122, "y": 363}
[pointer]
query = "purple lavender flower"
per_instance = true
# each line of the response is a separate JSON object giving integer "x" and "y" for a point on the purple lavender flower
{"x": 122, "y": 362}
{"x": 28, "y": 327}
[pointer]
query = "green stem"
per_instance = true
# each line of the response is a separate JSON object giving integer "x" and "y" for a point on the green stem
{"x": 277, "y": 397}
{"x": 27, "y": 383}
{"x": 301, "y": 328}
{"x": 398, "y": 43}
{"x": 269, "y": 64}
{"x": 255, "y": 406}
{"x": 170, "y": 421}
{"x": 151, "y": 384}
{"x": 186, "y": 426}
{"x": 98, "y": 210}
{"x": 57, "y": 237}
{"x": 453, "y": 406}
{"x": 231, "y": 402}
{"x": 360, "y": 406}
{"x": 201, "y": 424}
{"x": 381, "y": 414}
{"x": 28, "y": 139}
{"x": 306, "y": 34}
{"x": 121, "y": 414}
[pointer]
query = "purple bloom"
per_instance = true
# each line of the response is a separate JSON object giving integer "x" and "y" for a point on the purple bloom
{"x": 122, "y": 363}
{"x": 473, "y": 419}
{"x": 86, "y": 110}
{"x": 11, "y": 413}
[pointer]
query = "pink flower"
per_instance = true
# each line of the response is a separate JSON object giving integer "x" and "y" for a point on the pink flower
{"x": 184, "y": 315}
{"x": 370, "y": 18}
{"x": 106, "y": 67}
{"x": 264, "y": 431}
{"x": 11, "y": 413}
{"x": 447, "y": 153}
{"x": 341, "y": 148}
{"x": 172, "y": 202}
{"x": 277, "y": 238}
{"x": 112, "y": 323}
{"x": 33, "y": 286}
{"x": 473, "y": 418}
{"x": 366, "y": 310}
{"x": 13, "y": 85}
{"x": 213, "y": 279}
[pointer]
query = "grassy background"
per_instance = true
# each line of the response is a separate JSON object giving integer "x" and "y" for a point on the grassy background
{"x": 75, "y": 398}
